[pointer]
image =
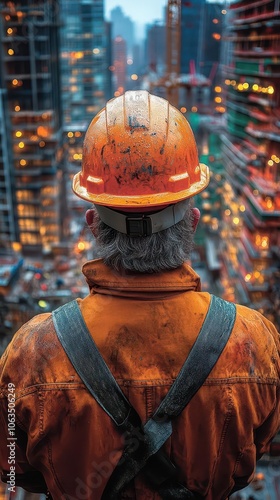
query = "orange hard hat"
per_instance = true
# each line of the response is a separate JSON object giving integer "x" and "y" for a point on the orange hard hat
{"x": 139, "y": 152}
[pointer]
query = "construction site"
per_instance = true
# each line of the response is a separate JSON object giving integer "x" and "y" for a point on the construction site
{"x": 216, "y": 62}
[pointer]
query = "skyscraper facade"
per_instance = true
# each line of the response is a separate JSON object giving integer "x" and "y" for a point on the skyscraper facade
{"x": 85, "y": 60}
{"x": 212, "y": 23}
{"x": 251, "y": 151}
{"x": 32, "y": 113}
{"x": 8, "y": 219}
{"x": 156, "y": 48}
{"x": 191, "y": 34}
{"x": 120, "y": 65}
{"x": 123, "y": 26}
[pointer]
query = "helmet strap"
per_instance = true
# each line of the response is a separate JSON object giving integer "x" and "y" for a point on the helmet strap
{"x": 143, "y": 224}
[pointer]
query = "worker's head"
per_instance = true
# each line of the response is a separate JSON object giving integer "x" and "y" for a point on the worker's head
{"x": 140, "y": 170}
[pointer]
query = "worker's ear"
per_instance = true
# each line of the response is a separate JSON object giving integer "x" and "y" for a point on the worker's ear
{"x": 195, "y": 218}
{"x": 91, "y": 218}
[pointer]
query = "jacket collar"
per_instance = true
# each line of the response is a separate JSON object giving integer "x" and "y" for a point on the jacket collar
{"x": 104, "y": 280}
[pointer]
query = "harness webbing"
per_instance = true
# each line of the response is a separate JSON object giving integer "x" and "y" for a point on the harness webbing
{"x": 147, "y": 455}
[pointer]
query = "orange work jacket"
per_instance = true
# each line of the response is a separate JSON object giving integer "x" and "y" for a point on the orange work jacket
{"x": 144, "y": 327}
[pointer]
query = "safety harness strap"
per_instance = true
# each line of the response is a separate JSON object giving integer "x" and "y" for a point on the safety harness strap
{"x": 147, "y": 455}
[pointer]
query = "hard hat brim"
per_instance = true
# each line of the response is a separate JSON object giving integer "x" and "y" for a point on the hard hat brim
{"x": 151, "y": 200}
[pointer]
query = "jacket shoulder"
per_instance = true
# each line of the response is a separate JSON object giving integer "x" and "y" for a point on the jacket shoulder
{"x": 258, "y": 325}
{"x": 33, "y": 342}
{"x": 254, "y": 347}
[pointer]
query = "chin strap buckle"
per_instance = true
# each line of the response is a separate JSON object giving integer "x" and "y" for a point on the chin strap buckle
{"x": 138, "y": 226}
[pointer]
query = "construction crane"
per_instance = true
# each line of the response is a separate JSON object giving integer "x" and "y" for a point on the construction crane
{"x": 172, "y": 81}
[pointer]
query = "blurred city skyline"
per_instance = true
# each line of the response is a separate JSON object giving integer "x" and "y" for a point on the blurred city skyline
{"x": 147, "y": 13}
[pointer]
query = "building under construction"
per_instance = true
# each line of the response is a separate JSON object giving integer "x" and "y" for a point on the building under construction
{"x": 251, "y": 153}
{"x": 193, "y": 40}
{"x": 31, "y": 138}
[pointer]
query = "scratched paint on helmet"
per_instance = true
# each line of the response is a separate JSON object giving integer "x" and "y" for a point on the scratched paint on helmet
{"x": 139, "y": 151}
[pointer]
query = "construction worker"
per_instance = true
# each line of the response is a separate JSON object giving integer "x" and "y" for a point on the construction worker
{"x": 147, "y": 388}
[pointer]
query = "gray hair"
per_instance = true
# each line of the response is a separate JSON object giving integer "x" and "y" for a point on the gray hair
{"x": 167, "y": 249}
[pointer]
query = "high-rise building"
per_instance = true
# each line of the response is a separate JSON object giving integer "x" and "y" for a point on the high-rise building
{"x": 86, "y": 75}
{"x": 210, "y": 40}
{"x": 120, "y": 65}
{"x": 185, "y": 85}
{"x": 123, "y": 26}
{"x": 108, "y": 62}
{"x": 156, "y": 48}
{"x": 191, "y": 34}
{"x": 85, "y": 60}
{"x": 8, "y": 219}
{"x": 138, "y": 59}
{"x": 251, "y": 151}
{"x": 29, "y": 63}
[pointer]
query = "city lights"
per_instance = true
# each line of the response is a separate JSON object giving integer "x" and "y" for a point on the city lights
{"x": 43, "y": 304}
{"x": 77, "y": 55}
{"x": 42, "y": 131}
{"x": 269, "y": 202}
{"x": 134, "y": 76}
{"x": 262, "y": 241}
{"x": 21, "y": 144}
{"x": 264, "y": 90}
{"x": 81, "y": 246}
